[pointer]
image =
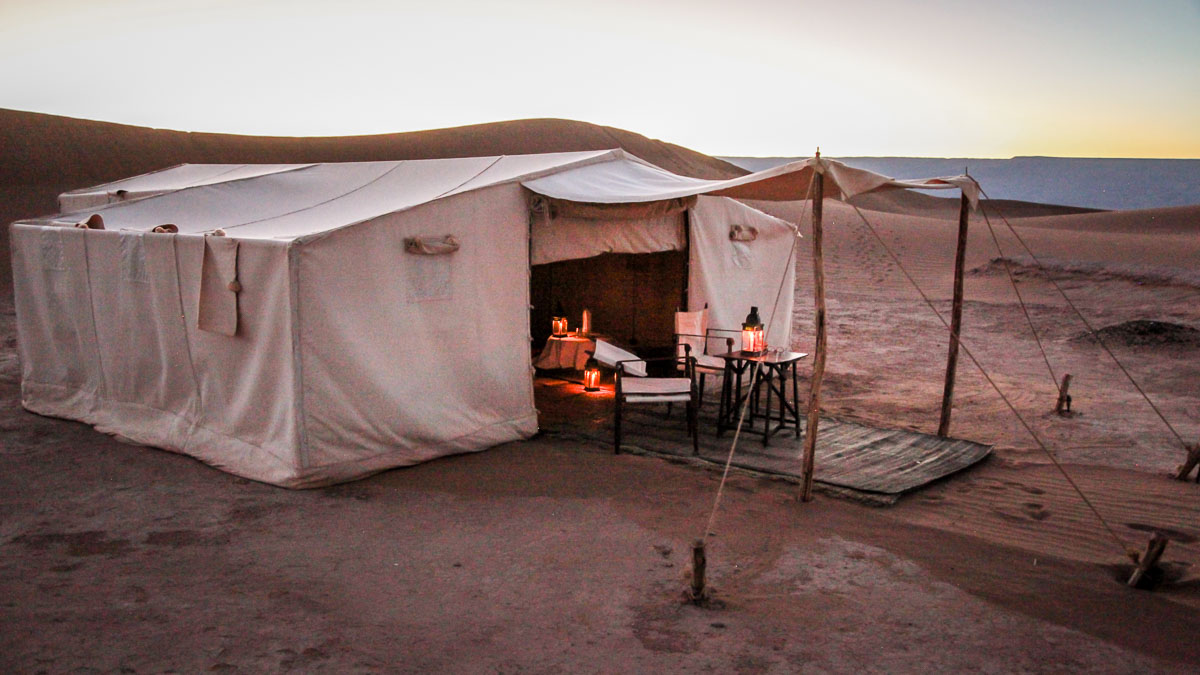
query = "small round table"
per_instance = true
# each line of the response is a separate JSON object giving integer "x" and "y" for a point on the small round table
{"x": 565, "y": 351}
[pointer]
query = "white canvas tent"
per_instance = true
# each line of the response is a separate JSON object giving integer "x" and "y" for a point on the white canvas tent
{"x": 314, "y": 343}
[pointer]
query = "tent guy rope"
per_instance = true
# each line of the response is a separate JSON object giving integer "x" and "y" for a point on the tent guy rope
{"x": 1021, "y": 301}
{"x": 1125, "y": 549}
{"x": 753, "y": 373}
{"x": 1092, "y": 331}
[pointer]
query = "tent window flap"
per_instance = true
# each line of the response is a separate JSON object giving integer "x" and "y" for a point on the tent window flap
{"x": 219, "y": 287}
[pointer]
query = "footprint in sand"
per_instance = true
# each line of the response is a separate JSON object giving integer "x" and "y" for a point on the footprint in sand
{"x": 1027, "y": 488}
{"x": 1035, "y": 511}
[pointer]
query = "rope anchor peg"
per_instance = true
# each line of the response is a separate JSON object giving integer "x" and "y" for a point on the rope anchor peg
{"x": 1146, "y": 562}
{"x": 698, "y": 593}
{"x": 1063, "y": 407}
{"x": 1192, "y": 461}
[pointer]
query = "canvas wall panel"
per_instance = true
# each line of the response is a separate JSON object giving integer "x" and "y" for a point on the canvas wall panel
{"x": 107, "y": 329}
{"x": 60, "y": 359}
{"x": 731, "y": 276}
{"x": 245, "y": 381}
{"x": 149, "y": 387}
{"x": 408, "y": 357}
{"x": 571, "y": 238}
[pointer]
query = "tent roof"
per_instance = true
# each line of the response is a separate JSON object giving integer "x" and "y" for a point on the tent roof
{"x": 177, "y": 177}
{"x": 286, "y": 202}
{"x": 302, "y": 200}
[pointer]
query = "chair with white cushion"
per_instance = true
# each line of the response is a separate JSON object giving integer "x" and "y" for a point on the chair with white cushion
{"x": 693, "y": 334}
{"x": 634, "y": 386}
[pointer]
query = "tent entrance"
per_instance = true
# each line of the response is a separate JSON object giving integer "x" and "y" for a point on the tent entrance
{"x": 632, "y": 296}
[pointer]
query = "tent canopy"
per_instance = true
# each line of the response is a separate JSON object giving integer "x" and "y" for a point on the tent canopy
{"x": 628, "y": 180}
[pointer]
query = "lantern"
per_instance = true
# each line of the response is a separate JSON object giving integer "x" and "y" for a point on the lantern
{"x": 585, "y": 327}
{"x": 558, "y": 323}
{"x": 558, "y": 326}
{"x": 591, "y": 375}
{"x": 754, "y": 340}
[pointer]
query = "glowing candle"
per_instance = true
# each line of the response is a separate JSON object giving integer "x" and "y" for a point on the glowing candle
{"x": 754, "y": 339}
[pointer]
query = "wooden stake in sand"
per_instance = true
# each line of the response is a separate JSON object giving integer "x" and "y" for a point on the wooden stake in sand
{"x": 1193, "y": 459}
{"x": 1154, "y": 551}
{"x": 1063, "y": 407}
{"x": 960, "y": 253}
{"x": 818, "y": 372}
{"x": 699, "y": 564}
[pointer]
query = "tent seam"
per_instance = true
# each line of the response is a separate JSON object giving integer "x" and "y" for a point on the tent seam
{"x": 299, "y": 408}
{"x": 321, "y": 203}
{"x": 87, "y": 275}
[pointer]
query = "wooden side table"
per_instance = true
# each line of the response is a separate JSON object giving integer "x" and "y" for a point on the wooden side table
{"x": 772, "y": 369}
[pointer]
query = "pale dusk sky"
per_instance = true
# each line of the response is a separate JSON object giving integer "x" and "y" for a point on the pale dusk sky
{"x": 753, "y": 77}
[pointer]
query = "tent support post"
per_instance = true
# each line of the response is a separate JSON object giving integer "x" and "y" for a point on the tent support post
{"x": 964, "y": 210}
{"x": 687, "y": 261}
{"x": 818, "y": 373}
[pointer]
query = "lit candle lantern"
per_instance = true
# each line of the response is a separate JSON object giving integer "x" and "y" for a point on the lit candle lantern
{"x": 754, "y": 339}
{"x": 558, "y": 323}
{"x": 591, "y": 375}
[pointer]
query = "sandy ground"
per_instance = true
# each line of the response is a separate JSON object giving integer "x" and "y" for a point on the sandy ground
{"x": 556, "y": 556}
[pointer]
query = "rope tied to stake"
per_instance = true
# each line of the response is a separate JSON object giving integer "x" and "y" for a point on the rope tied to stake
{"x": 1125, "y": 549}
{"x": 712, "y": 516}
{"x": 1088, "y": 325}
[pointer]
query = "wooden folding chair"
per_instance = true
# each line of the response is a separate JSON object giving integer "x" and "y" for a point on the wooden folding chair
{"x": 692, "y": 331}
{"x": 635, "y": 386}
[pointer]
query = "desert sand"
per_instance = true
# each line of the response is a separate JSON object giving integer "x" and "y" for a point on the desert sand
{"x": 554, "y": 555}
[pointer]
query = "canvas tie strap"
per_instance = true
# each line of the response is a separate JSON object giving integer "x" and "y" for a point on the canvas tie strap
{"x": 94, "y": 222}
{"x": 431, "y": 245}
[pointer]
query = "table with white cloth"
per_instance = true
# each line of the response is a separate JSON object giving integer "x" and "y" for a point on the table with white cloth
{"x": 565, "y": 351}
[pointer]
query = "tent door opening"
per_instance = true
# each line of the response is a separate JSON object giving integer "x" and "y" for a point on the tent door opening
{"x": 632, "y": 297}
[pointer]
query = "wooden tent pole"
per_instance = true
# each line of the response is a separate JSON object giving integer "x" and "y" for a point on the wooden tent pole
{"x": 960, "y": 254}
{"x": 818, "y": 373}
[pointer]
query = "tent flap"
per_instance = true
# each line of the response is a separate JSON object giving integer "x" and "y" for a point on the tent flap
{"x": 219, "y": 287}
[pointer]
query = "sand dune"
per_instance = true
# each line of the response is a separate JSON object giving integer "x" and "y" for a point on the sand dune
{"x": 47, "y": 149}
{"x": 1183, "y": 220}
{"x": 907, "y": 202}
